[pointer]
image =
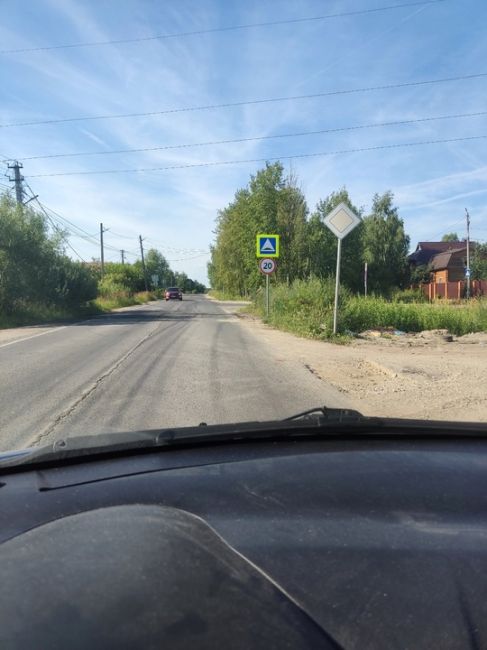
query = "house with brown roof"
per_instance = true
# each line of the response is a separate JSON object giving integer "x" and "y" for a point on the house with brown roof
{"x": 449, "y": 266}
{"x": 447, "y": 261}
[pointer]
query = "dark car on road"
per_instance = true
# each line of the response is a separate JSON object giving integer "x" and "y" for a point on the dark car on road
{"x": 173, "y": 293}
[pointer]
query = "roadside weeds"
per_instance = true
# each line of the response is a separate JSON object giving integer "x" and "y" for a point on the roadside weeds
{"x": 427, "y": 375}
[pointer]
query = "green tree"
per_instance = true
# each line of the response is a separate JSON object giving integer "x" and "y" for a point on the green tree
{"x": 270, "y": 203}
{"x": 420, "y": 274}
{"x": 122, "y": 277}
{"x": 156, "y": 264}
{"x": 33, "y": 267}
{"x": 450, "y": 236}
{"x": 478, "y": 262}
{"x": 386, "y": 246}
{"x": 291, "y": 224}
{"x": 322, "y": 244}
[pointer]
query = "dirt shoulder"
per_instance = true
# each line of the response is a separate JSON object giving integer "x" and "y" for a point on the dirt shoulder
{"x": 427, "y": 375}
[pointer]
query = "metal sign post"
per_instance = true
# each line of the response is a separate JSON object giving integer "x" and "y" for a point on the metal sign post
{"x": 267, "y": 266}
{"x": 337, "y": 285}
{"x": 267, "y": 248}
{"x": 341, "y": 221}
{"x": 267, "y": 296}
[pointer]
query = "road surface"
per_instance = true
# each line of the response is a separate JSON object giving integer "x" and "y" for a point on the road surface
{"x": 152, "y": 366}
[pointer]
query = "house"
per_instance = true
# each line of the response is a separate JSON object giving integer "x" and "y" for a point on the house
{"x": 447, "y": 261}
{"x": 449, "y": 266}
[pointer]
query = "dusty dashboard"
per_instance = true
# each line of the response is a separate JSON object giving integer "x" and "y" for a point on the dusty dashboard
{"x": 291, "y": 544}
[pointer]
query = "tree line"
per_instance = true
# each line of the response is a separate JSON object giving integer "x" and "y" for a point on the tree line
{"x": 273, "y": 202}
{"x": 120, "y": 277}
{"x": 35, "y": 270}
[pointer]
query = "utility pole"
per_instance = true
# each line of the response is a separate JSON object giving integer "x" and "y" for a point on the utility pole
{"x": 17, "y": 179}
{"x": 123, "y": 256}
{"x": 102, "y": 230}
{"x": 143, "y": 263}
{"x": 468, "y": 253}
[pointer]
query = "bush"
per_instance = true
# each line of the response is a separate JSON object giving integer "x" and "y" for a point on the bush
{"x": 110, "y": 285}
{"x": 304, "y": 308}
{"x": 409, "y": 296}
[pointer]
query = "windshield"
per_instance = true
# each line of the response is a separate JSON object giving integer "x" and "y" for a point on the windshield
{"x": 310, "y": 174}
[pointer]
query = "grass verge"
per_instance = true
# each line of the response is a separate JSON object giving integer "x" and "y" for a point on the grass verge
{"x": 124, "y": 299}
{"x": 34, "y": 314}
{"x": 223, "y": 295}
{"x": 306, "y": 309}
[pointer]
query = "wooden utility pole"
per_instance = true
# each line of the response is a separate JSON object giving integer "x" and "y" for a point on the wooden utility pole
{"x": 143, "y": 263}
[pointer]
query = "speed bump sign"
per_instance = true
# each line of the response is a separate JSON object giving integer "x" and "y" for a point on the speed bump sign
{"x": 267, "y": 246}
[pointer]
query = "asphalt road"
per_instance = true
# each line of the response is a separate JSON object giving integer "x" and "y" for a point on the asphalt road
{"x": 152, "y": 366}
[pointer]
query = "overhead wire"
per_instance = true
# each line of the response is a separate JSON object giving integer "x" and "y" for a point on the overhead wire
{"x": 267, "y": 100}
{"x": 92, "y": 239}
{"x": 296, "y": 134}
{"x": 273, "y": 23}
{"x": 65, "y": 233}
{"x": 185, "y": 259}
{"x": 54, "y": 225}
{"x": 217, "y": 163}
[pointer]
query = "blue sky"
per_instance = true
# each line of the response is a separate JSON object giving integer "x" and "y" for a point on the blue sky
{"x": 175, "y": 210}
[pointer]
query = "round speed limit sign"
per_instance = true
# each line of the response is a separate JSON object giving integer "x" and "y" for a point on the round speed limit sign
{"x": 267, "y": 265}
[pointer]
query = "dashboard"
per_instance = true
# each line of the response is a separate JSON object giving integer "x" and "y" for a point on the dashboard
{"x": 321, "y": 543}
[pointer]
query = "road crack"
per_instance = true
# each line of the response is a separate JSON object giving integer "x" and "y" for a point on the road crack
{"x": 86, "y": 393}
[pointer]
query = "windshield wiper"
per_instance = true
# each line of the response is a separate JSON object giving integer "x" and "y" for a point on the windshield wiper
{"x": 320, "y": 422}
{"x": 330, "y": 415}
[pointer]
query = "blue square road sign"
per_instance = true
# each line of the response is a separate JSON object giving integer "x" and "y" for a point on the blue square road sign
{"x": 267, "y": 246}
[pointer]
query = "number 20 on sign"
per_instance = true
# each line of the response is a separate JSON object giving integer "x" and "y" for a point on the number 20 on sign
{"x": 267, "y": 266}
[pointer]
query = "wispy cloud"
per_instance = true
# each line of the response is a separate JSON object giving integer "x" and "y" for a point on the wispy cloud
{"x": 431, "y": 184}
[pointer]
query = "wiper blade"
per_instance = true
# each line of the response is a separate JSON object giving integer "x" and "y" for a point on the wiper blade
{"x": 327, "y": 414}
{"x": 315, "y": 423}
{"x": 312, "y": 422}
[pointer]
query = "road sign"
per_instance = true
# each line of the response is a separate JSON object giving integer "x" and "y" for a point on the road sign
{"x": 155, "y": 279}
{"x": 267, "y": 266}
{"x": 267, "y": 246}
{"x": 467, "y": 273}
{"x": 341, "y": 221}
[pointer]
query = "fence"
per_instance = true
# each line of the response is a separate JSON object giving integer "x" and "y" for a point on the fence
{"x": 454, "y": 290}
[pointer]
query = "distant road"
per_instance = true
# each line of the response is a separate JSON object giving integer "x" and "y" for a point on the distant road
{"x": 152, "y": 366}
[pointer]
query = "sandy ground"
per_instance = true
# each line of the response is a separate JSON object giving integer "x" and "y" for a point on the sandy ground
{"x": 424, "y": 375}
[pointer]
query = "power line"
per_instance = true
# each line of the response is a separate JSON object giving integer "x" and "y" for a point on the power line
{"x": 267, "y": 100}
{"x": 256, "y": 138}
{"x": 268, "y": 159}
{"x": 84, "y": 234}
{"x": 184, "y": 259}
{"x": 54, "y": 225}
{"x": 214, "y": 30}
{"x": 94, "y": 241}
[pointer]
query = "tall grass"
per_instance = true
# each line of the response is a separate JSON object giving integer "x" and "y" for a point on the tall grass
{"x": 368, "y": 313}
{"x": 33, "y": 314}
{"x": 225, "y": 295}
{"x": 120, "y": 299}
{"x": 306, "y": 308}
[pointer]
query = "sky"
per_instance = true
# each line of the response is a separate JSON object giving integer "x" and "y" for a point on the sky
{"x": 346, "y": 46}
